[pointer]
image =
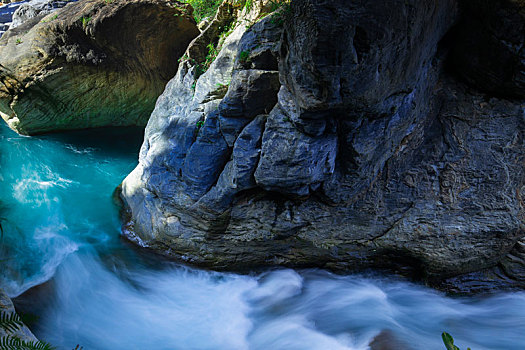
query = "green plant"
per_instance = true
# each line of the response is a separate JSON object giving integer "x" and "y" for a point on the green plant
{"x": 222, "y": 86}
{"x": 10, "y": 323}
{"x": 199, "y": 124}
{"x": 225, "y": 31}
{"x": 248, "y": 5}
{"x": 210, "y": 57}
{"x": 85, "y": 21}
{"x": 449, "y": 341}
{"x": 182, "y": 12}
{"x": 19, "y": 41}
{"x": 203, "y": 8}
{"x": 282, "y": 10}
{"x": 244, "y": 56}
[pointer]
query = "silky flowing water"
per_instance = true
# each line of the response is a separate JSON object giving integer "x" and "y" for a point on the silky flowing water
{"x": 61, "y": 231}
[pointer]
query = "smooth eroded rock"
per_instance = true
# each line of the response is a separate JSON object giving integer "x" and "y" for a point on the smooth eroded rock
{"x": 93, "y": 63}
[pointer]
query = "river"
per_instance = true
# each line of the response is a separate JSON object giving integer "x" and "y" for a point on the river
{"x": 62, "y": 234}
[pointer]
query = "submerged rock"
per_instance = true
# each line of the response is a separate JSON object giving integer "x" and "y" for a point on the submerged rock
{"x": 330, "y": 134}
{"x": 93, "y": 63}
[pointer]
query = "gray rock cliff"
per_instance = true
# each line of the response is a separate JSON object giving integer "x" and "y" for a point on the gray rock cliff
{"x": 342, "y": 135}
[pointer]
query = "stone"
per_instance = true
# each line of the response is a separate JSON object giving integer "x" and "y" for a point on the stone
{"x": 91, "y": 64}
{"x": 370, "y": 151}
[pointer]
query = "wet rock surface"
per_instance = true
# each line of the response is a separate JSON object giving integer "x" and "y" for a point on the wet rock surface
{"x": 336, "y": 135}
{"x": 93, "y": 63}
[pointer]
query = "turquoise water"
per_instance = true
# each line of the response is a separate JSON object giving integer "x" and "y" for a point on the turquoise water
{"x": 61, "y": 227}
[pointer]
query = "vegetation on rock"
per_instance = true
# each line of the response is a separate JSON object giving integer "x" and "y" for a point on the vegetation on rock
{"x": 10, "y": 323}
{"x": 203, "y": 8}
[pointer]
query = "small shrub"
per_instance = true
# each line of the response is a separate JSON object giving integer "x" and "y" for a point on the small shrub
{"x": 203, "y": 8}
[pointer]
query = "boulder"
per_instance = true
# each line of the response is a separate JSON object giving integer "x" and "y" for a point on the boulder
{"x": 366, "y": 151}
{"x": 90, "y": 64}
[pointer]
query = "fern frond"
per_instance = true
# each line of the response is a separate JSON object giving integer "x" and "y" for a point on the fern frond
{"x": 10, "y": 322}
{"x": 15, "y": 343}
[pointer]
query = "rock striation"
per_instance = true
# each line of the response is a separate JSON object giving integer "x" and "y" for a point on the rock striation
{"x": 344, "y": 136}
{"x": 92, "y": 63}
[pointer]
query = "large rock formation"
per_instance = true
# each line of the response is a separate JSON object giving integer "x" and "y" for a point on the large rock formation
{"x": 331, "y": 134}
{"x": 93, "y": 63}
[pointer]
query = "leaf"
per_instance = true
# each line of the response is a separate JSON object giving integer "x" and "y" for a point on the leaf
{"x": 15, "y": 343}
{"x": 10, "y": 322}
{"x": 449, "y": 341}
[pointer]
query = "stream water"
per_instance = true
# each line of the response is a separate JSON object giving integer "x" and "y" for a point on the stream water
{"x": 61, "y": 231}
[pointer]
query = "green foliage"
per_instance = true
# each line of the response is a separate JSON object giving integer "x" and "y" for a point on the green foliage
{"x": 210, "y": 57}
{"x": 248, "y": 5}
{"x": 203, "y": 8}
{"x": 282, "y": 10}
{"x": 222, "y": 86}
{"x": 19, "y": 41}
{"x": 199, "y": 124}
{"x": 244, "y": 56}
{"x": 10, "y": 323}
{"x": 279, "y": 4}
{"x": 449, "y": 341}
{"x": 15, "y": 343}
{"x": 85, "y": 21}
{"x": 225, "y": 31}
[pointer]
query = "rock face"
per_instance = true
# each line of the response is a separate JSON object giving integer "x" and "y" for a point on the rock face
{"x": 334, "y": 134}
{"x": 93, "y": 63}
